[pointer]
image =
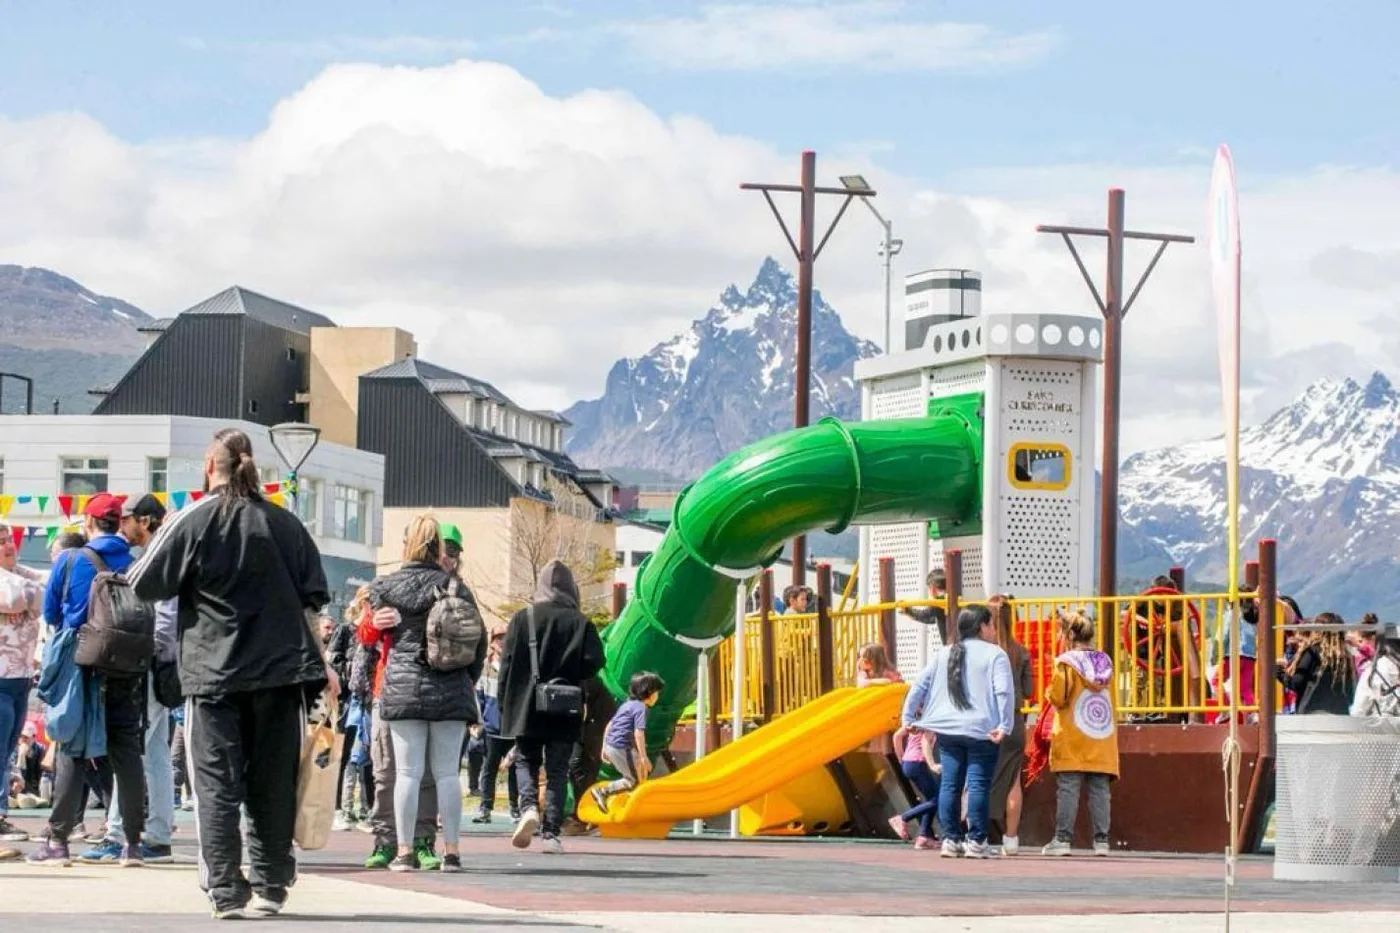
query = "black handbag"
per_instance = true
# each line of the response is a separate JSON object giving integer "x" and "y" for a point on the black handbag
{"x": 165, "y": 683}
{"x": 556, "y": 697}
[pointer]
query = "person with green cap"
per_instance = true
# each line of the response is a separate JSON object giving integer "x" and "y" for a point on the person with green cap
{"x": 451, "y": 558}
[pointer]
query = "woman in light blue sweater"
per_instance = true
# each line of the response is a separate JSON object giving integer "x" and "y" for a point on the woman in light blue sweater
{"x": 965, "y": 697}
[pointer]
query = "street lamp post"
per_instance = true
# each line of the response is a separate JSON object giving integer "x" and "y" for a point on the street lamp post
{"x": 294, "y": 442}
{"x": 889, "y": 249}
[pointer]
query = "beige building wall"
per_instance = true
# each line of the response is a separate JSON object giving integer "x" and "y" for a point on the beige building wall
{"x": 500, "y": 547}
{"x": 339, "y": 356}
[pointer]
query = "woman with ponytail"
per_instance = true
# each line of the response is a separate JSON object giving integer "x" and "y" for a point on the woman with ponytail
{"x": 965, "y": 697}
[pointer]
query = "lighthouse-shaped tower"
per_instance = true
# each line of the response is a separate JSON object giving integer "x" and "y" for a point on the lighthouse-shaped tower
{"x": 1036, "y": 374}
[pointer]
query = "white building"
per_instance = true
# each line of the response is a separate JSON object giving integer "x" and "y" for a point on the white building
{"x": 45, "y": 457}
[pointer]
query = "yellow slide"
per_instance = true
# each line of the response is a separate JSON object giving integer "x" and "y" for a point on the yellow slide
{"x": 759, "y": 763}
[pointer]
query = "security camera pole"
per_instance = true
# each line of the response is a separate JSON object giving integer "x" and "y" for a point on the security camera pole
{"x": 806, "y": 258}
{"x": 1114, "y": 308}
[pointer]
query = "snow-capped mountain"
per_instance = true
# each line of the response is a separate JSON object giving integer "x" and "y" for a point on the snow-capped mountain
{"x": 1322, "y": 476}
{"x": 725, "y": 382}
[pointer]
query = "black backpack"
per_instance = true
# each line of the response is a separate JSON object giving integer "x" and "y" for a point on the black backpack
{"x": 119, "y": 634}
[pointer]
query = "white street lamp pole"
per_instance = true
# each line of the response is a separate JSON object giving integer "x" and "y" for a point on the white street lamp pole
{"x": 889, "y": 249}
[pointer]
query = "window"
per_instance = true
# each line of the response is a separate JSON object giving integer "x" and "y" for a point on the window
{"x": 2, "y": 474}
{"x": 1039, "y": 466}
{"x": 639, "y": 556}
{"x": 620, "y": 558}
{"x": 252, "y": 406}
{"x": 158, "y": 474}
{"x": 351, "y": 515}
{"x": 309, "y": 503}
{"x": 83, "y": 476}
{"x": 497, "y": 417}
{"x": 513, "y": 431}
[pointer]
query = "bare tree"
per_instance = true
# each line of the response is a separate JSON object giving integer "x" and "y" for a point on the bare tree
{"x": 561, "y": 526}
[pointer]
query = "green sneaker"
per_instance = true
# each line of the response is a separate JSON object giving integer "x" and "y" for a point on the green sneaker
{"x": 380, "y": 857}
{"x": 427, "y": 859}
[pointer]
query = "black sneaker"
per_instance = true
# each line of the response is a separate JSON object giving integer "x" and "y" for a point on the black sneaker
{"x": 452, "y": 863}
{"x": 404, "y": 863}
{"x": 482, "y": 816}
{"x": 9, "y": 832}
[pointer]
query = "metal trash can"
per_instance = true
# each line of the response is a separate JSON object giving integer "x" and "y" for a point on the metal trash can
{"x": 1337, "y": 816}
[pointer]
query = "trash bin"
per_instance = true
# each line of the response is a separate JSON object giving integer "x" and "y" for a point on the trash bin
{"x": 1337, "y": 816}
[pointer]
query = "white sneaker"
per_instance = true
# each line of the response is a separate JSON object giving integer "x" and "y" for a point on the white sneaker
{"x": 264, "y": 906}
{"x": 1101, "y": 848}
{"x": 341, "y": 824}
{"x": 1056, "y": 848}
{"x": 552, "y": 846}
{"x": 1010, "y": 845}
{"x": 951, "y": 849}
{"x": 525, "y": 829}
{"x": 974, "y": 849}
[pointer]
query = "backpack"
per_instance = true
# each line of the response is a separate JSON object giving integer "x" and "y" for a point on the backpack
{"x": 119, "y": 635}
{"x": 455, "y": 629}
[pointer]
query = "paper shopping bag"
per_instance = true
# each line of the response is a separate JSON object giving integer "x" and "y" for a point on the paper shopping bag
{"x": 316, "y": 780}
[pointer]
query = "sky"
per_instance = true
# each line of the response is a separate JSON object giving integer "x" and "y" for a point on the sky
{"x": 539, "y": 188}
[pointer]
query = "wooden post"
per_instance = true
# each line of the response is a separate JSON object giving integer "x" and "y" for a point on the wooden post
{"x": 619, "y": 599}
{"x": 952, "y": 569}
{"x": 888, "y": 636}
{"x": 1178, "y": 575}
{"x": 769, "y": 643}
{"x": 826, "y": 642}
{"x": 1251, "y": 575}
{"x": 1256, "y": 800}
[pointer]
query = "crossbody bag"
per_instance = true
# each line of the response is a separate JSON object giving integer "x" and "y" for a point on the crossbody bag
{"x": 556, "y": 697}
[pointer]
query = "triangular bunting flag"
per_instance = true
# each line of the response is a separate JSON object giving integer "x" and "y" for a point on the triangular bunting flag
{"x": 66, "y": 504}
{"x": 278, "y": 500}
{"x": 24, "y": 500}
{"x": 82, "y": 504}
{"x": 271, "y": 488}
{"x": 163, "y": 498}
{"x": 35, "y": 531}
{"x": 43, "y": 503}
{"x": 53, "y": 533}
{"x": 17, "y": 533}
{"x": 178, "y": 498}
{"x": 6, "y": 503}
{"x": 196, "y": 495}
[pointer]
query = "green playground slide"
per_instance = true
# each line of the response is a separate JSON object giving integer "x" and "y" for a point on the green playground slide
{"x": 733, "y": 521}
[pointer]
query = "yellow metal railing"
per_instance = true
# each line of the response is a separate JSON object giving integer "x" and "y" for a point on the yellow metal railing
{"x": 1171, "y": 655}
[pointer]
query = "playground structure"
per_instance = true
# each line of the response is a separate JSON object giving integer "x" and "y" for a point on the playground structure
{"x": 975, "y": 453}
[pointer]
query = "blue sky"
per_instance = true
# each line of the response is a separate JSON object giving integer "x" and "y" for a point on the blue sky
{"x": 539, "y": 187}
{"x": 1288, "y": 83}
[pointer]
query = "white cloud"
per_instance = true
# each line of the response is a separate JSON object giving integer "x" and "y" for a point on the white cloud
{"x": 532, "y": 240}
{"x": 876, "y": 35}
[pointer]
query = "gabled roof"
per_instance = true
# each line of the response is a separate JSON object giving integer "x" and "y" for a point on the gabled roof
{"x": 155, "y": 327}
{"x": 552, "y": 416}
{"x": 438, "y": 379}
{"x": 239, "y": 300}
{"x": 596, "y": 476}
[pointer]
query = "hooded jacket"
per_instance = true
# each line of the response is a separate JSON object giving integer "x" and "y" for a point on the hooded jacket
{"x": 569, "y": 650}
{"x": 246, "y": 572}
{"x": 1085, "y": 734}
{"x": 410, "y": 689}
{"x": 72, "y": 611}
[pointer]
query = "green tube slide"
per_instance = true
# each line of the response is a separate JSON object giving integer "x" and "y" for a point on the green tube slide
{"x": 733, "y": 521}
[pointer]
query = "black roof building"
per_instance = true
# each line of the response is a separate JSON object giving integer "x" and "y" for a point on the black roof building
{"x": 236, "y": 355}
{"x": 451, "y": 441}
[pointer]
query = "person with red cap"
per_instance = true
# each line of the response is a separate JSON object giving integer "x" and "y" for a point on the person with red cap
{"x": 123, "y": 699}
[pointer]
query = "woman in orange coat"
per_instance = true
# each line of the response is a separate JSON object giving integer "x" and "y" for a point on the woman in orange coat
{"x": 1084, "y": 741}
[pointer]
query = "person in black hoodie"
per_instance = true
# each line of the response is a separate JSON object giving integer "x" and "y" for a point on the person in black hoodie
{"x": 250, "y": 583}
{"x": 427, "y": 710}
{"x": 570, "y": 652}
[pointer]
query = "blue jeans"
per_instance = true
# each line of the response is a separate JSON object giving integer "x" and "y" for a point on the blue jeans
{"x": 160, "y": 779}
{"x": 14, "y": 704}
{"x": 971, "y": 763}
{"x": 927, "y": 784}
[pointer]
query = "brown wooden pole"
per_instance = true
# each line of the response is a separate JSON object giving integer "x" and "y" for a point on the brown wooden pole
{"x": 769, "y": 643}
{"x": 619, "y": 599}
{"x": 806, "y": 258}
{"x": 888, "y": 635}
{"x": 826, "y": 641}
{"x": 1112, "y": 389}
{"x": 952, "y": 569}
{"x": 1178, "y": 575}
{"x": 1251, "y": 575}
{"x": 1256, "y": 800}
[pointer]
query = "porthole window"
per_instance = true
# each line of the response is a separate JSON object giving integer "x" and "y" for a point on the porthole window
{"x": 1039, "y": 466}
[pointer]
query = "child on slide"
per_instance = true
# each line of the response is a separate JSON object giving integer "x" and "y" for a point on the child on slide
{"x": 625, "y": 743}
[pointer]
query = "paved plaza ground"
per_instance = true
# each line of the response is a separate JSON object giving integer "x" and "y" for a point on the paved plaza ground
{"x": 689, "y": 885}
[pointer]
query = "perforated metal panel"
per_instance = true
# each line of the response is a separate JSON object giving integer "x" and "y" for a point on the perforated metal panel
{"x": 1037, "y": 531}
{"x": 897, "y": 397}
{"x": 958, "y": 379}
{"x": 902, "y": 543}
{"x": 1337, "y": 817}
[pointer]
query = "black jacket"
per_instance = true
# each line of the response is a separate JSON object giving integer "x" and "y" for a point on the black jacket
{"x": 569, "y": 649}
{"x": 245, "y": 572}
{"x": 411, "y": 689}
{"x": 1320, "y": 691}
